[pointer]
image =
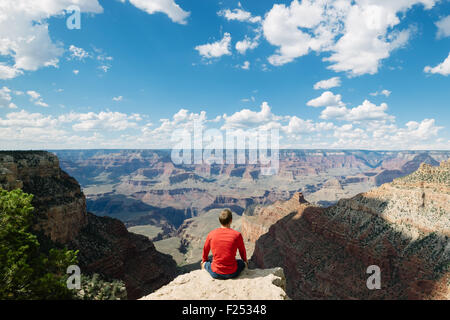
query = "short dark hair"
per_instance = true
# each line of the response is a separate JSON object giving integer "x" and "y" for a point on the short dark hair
{"x": 225, "y": 217}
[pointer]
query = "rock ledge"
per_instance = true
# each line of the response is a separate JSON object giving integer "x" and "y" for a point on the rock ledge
{"x": 252, "y": 284}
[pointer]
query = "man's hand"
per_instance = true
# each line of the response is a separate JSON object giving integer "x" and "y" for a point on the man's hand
{"x": 246, "y": 264}
{"x": 203, "y": 264}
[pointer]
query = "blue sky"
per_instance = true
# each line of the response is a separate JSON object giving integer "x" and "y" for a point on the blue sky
{"x": 138, "y": 70}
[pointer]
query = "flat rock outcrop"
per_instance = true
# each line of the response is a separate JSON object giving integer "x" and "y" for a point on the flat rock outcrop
{"x": 252, "y": 284}
{"x": 403, "y": 227}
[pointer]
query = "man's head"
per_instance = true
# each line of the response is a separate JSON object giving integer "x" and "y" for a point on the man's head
{"x": 225, "y": 217}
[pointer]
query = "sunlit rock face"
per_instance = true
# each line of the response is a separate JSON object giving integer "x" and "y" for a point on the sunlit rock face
{"x": 60, "y": 205}
{"x": 403, "y": 227}
{"x": 256, "y": 221}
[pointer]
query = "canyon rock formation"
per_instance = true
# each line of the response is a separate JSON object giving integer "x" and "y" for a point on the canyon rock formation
{"x": 105, "y": 245}
{"x": 403, "y": 227}
{"x": 257, "y": 220}
{"x": 59, "y": 203}
{"x": 149, "y": 177}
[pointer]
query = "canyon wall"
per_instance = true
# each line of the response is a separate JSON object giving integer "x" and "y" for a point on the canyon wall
{"x": 403, "y": 227}
{"x": 257, "y": 220}
{"x": 105, "y": 246}
{"x": 59, "y": 203}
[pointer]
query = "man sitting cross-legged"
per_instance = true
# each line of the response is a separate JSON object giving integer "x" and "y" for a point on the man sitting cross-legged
{"x": 224, "y": 242}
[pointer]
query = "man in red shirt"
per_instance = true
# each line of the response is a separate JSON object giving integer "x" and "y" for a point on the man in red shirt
{"x": 224, "y": 242}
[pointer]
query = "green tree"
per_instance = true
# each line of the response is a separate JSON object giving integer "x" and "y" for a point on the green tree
{"x": 26, "y": 272}
{"x": 94, "y": 287}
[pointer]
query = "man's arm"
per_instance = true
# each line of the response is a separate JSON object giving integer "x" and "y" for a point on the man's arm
{"x": 241, "y": 248}
{"x": 206, "y": 249}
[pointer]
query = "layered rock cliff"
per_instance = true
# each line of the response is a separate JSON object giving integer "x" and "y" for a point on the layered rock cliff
{"x": 105, "y": 246}
{"x": 257, "y": 220}
{"x": 149, "y": 177}
{"x": 59, "y": 203}
{"x": 403, "y": 227}
{"x": 252, "y": 284}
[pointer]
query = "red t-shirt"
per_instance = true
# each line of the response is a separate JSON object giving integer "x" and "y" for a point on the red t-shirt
{"x": 223, "y": 243}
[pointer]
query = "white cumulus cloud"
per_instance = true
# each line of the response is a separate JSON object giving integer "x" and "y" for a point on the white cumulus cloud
{"x": 169, "y": 7}
{"x": 286, "y": 27}
{"x": 24, "y": 34}
{"x": 366, "y": 111}
{"x": 358, "y": 34}
{"x": 24, "y": 119}
{"x": 247, "y": 117}
{"x": 239, "y": 15}
{"x": 297, "y": 125}
{"x": 327, "y": 99}
{"x": 443, "y": 26}
{"x": 247, "y": 44}
{"x": 328, "y": 84}
{"x": 6, "y": 99}
{"x": 246, "y": 65}
{"x": 78, "y": 53}
{"x": 106, "y": 120}
{"x": 216, "y": 49}
{"x": 9, "y": 72}
{"x": 36, "y": 98}
{"x": 442, "y": 68}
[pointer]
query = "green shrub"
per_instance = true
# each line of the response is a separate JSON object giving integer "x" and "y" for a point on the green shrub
{"x": 26, "y": 272}
{"x": 95, "y": 288}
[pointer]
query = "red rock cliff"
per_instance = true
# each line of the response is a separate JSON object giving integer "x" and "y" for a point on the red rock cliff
{"x": 256, "y": 221}
{"x": 60, "y": 205}
{"x": 403, "y": 227}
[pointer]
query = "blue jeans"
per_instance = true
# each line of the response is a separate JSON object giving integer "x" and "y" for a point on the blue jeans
{"x": 240, "y": 267}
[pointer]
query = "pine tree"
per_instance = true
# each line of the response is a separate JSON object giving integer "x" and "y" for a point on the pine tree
{"x": 26, "y": 272}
